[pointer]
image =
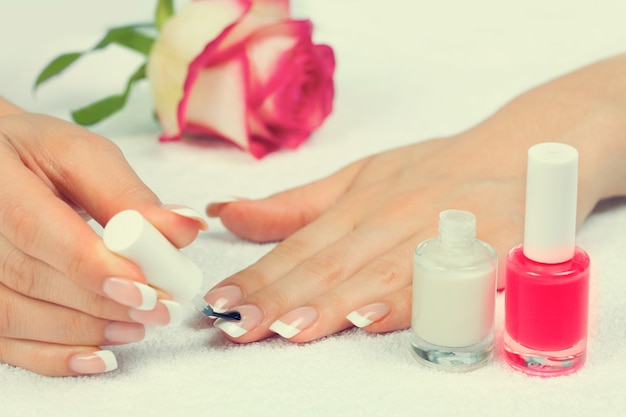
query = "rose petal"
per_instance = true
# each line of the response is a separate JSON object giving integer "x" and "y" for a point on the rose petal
{"x": 299, "y": 93}
{"x": 182, "y": 38}
{"x": 266, "y": 50}
{"x": 262, "y": 13}
{"x": 217, "y": 102}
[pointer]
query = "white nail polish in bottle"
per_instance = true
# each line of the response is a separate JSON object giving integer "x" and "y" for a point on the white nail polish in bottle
{"x": 454, "y": 288}
{"x": 130, "y": 235}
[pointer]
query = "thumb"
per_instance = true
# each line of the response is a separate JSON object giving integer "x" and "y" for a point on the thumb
{"x": 279, "y": 215}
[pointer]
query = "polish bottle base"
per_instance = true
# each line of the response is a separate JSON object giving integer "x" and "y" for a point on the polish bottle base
{"x": 455, "y": 359}
{"x": 544, "y": 363}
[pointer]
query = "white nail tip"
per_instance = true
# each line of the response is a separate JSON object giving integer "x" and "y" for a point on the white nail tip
{"x": 186, "y": 212}
{"x": 149, "y": 332}
{"x": 189, "y": 213}
{"x": 284, "y": 330}
{"x": 226, "y": 199}
{"x": 148, "y": 296}
{"x": 108, "y": 358}
{"x": 175, "y": 310}
{"x": 230, "y": 328}
{"x": 358, "y": 320}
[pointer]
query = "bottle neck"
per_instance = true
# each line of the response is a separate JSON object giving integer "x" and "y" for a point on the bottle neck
{"x": 457, "y": 228}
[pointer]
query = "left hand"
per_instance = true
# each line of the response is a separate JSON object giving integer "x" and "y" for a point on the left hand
{"x": 349, "y": 238}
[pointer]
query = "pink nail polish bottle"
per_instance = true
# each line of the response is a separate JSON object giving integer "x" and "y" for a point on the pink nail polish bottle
{"x": 547, "y": 277}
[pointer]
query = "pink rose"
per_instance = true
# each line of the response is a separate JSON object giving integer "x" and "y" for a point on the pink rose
{"x": 242, "y": 71}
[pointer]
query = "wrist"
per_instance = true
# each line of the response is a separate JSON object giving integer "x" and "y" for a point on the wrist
{"x": 586, "y": 109}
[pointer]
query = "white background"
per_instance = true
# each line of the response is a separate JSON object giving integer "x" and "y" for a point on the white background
{"x": 407, "y": 71}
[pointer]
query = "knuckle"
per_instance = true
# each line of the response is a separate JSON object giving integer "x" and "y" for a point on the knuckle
{"x": 327, "y": 269}
{"x": 388, "y": 273}
{"x": 17, "y": 272}
{"x": 19, "y": 222}
{"x": 78, "y": 328}
{"x": 77, "y": 265}
{"x": 291, "y": 250}
{"x": 98, "y": 306}
{"x": 278, "y": 301}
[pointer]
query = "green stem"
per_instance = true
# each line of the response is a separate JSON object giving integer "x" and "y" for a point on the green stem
{"x": 164, "y": 9}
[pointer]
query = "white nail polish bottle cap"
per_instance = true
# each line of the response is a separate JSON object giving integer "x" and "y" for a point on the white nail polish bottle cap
{"x": 130, "y": 235}
{"x": 551, "y": 197}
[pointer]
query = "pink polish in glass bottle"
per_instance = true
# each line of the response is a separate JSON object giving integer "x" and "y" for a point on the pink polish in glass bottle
{"x": 547, "y": 277}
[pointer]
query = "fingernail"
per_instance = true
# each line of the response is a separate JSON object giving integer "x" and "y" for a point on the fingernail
{"x": 250, "y": 318}
{"x": 166, "y": 313}
{"x": 189, "y": 213}
{"x": 294, "y": 322}
{"x": 213, "y": 208}
{"x": 93, "y": 362}
{"x": 130, "y": 293}
{"x": 119, "y": 332}
{"x": 223, "y": 298}
{"x": 368, "y": 314}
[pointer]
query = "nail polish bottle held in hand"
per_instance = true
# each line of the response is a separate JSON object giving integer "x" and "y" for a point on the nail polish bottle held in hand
{"x": 130, "y": 235}
{"x": 454, "y": 289}
{"x": 547, "y": 277}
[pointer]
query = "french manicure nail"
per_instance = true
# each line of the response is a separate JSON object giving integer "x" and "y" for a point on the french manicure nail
{"x": 368, "y": 314}
{"x": 213, "y": 208}
{"x": 189, "y": 213}
{"x": 166, "y": 313}
{"x": 294, "y": 322}
{"x": 93, "y": 362}
{"x": 251, "y": 317}
{"x": 119, "y": 332}
{"x": 130, "y": 293}
{"x": 223, "y": 298}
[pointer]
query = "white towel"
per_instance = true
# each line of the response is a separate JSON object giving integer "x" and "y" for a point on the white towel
{"x": 407, "y": 71}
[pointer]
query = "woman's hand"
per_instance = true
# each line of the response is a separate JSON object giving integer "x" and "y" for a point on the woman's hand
{"x": 346, "y": 257}
{"x": 62, "y": 294}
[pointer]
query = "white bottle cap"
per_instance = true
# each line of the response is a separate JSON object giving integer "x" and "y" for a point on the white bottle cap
{"x": 551, "y": 195}
{"x": 130, "y": 235}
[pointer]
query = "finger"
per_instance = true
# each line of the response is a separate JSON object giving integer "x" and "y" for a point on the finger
{"x": 314, "y": 279}
{"x": 26, "y": 318}
{"x": 278, "y": 216}
{"x": 302, "y": 245}
{"x": 334, "y": 225}
{"x": 56, "y": 360}
{"x": 67, "y": 243}
{"x": 57, "y": 236}
{"x": 363, "y": 297}
{"x": 391, "y": 313}
{"x": 90, "y": 171}
{"x": 35, "y": 279}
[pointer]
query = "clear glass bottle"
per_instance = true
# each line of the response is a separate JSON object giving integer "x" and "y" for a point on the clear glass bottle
{"x": 454, "y": 289}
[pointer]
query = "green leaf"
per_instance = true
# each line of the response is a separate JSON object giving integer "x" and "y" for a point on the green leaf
{"x": 164, "y": 9}
{"x": 101, "y": 109}
{"x": 128, "y": 37}
{"x": 56, "y": 67}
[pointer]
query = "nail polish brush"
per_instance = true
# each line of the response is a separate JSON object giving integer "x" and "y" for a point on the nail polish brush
{"x": 130, "y": 235}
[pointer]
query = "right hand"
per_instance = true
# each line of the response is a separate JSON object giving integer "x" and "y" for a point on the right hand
{"x": 57, "y": 301}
